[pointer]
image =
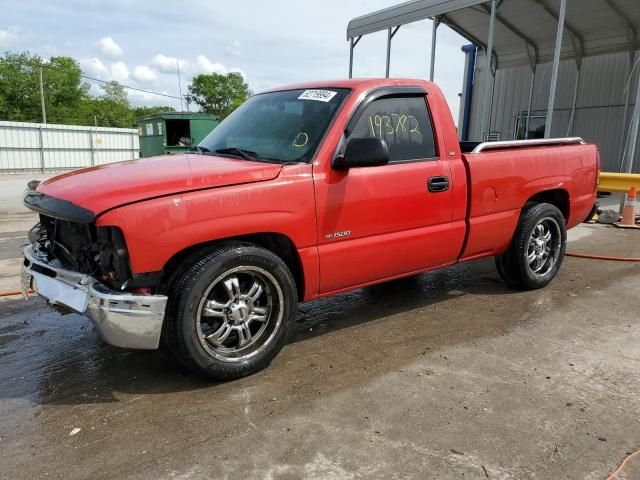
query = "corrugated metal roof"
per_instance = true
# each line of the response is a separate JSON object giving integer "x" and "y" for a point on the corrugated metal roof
{"x": 404, "y": 13}
{"x": 592, "y": 27}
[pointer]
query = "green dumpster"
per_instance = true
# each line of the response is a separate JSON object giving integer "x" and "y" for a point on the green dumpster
{"x": 173, "y": 132}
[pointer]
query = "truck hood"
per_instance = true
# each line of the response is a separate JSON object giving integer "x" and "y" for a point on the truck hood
{"x": 107, "y": 186}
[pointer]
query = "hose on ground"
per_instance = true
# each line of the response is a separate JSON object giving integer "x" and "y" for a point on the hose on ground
{"x": 602, "y": 257}
{"x": 619, "y": 469}
{"x": 10, "y": 293}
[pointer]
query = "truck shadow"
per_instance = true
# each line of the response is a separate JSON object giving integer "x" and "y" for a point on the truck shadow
{"x": 50, "y": 359}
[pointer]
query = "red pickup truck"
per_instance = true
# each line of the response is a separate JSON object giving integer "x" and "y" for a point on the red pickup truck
{"x": 301, "y": 193}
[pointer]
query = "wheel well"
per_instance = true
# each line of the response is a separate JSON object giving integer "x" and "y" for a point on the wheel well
{"x": 557, "y": 197}
{"x": 278, "y": 244}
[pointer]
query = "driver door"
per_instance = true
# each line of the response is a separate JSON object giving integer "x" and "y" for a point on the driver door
{"x": 382, "y": 222}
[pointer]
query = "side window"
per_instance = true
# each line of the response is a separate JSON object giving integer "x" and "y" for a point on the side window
{"x": 403, "y": 122}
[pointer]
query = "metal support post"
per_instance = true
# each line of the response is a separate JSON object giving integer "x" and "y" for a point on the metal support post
{"x": 388, "y": 51}
{"x": 390, "y": 34}
{"x": 488, "y": 57}
{"x": 625, "y": 112}
{"x": 533, "y": 63}
{"x": 576, "y": 85}
{"x": 531, "y": 87}
{"x": 134, "y": 152}
{"x": 352, "y": 44}
{"x": 41, "y": 138}
{"x": 633, "y": 132}
{"x": 434, "y": 31}
{"x": 92, "y": 148}
{"x": 554, "y": 70}
{"x": 493, "y": 91}
{"x": 351, "y": 57}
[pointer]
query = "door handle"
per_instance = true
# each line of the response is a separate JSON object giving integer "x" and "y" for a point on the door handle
{"x": 438, "y": 184}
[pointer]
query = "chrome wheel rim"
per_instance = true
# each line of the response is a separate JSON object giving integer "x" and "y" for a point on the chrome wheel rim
{"x": 239, "y": 313}
{"x": 543, "y": 247}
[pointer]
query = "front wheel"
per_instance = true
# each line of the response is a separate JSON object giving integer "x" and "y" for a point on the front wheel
{"x": 536, "y": 251}
{"x": 231, "y": 312}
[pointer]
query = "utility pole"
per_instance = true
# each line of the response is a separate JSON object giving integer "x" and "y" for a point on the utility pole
{"x": 44, "y": 111}
{"x": 179, "y": 85}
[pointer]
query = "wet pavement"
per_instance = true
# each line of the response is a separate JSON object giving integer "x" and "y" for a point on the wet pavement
{"x": 450, "y": 374}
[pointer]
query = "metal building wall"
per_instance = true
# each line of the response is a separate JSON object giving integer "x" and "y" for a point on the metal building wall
{"x": 37, "y": 146}
{"x": 599, "y": 107}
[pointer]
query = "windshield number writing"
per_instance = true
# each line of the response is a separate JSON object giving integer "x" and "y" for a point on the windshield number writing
{"x": 301, "y": 140}
{"x": 381, "y": 125}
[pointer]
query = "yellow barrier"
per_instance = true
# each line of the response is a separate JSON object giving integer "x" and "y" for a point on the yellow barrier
{"x": 618, "y": 182}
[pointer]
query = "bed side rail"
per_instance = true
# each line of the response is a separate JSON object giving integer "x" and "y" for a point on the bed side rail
{"x": 538, "y": 142}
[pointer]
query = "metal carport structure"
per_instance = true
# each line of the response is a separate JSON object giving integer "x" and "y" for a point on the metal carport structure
{"x": 524, "y": 32}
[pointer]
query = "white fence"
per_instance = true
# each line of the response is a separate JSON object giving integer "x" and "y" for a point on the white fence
{"x": 38, "y": 146}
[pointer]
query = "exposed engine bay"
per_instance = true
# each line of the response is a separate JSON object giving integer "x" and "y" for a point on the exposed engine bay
{"x": 97, "y": 251}
{"x": 67, "y": 237}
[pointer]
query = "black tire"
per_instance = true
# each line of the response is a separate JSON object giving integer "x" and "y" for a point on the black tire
{"x": 531, "y": 261}
{"x": 505, "y": 270}
{"x": 199, "y": 330}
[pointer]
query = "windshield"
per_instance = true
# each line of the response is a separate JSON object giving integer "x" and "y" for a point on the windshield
{"x": 282, "y": 126}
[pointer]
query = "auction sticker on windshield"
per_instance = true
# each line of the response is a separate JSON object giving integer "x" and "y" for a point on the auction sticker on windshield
{"x": 319, "y": 95}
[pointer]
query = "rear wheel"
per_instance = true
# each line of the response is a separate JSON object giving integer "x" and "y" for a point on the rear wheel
{"x": 537, "y": 248}
{"x": 231, "y": 311}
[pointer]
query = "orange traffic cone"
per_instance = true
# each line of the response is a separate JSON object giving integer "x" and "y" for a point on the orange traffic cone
{"x": 629, "y": 211}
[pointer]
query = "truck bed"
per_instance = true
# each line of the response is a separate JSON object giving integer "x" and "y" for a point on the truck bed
{"x": 503, "y": 176}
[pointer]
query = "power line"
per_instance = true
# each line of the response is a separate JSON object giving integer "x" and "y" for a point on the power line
{"x": 130, "y": 88}
{"x": 82, "y": 75}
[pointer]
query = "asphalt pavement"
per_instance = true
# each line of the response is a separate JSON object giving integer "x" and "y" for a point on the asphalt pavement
{"x": 446, "y": 375}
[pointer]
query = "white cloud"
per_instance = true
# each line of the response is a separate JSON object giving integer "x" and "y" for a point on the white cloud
{"x": 7, "y": 37}
{"x": 119, "y": 72}
{"x": 233, "y": 48}
{"x": 144, "y": 74}
{"x": 109, "y": 47}
{"x": 204, "y": 65}
{"x": 166, "y": 64}
{"x": 94, "y": 67}
{"x": 207, "y": 66}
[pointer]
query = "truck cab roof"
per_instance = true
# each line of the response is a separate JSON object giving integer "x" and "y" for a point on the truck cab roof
{"x": 362, "y": 84}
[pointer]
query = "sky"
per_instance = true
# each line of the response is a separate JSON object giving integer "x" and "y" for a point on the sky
{"x": 271, "y": 42}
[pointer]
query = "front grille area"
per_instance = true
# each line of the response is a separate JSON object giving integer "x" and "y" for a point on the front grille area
{"x": 97, "y": 251}
{"x": 72, "y": 244}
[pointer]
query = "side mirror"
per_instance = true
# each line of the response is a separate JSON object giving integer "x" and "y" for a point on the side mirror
{"x": 363, "y": 152}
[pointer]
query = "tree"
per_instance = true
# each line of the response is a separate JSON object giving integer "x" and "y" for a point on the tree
{"x": 218, "y": 94}
{"x": 64, "y": 90}
{"x": 19, "y": 94}
{"x": 112, "y": 108}
{"x": 20, "y": 87}
{"x": 67, "y": 97}
{"x": 114, "y": 92}
{"x": 144, "y": 111}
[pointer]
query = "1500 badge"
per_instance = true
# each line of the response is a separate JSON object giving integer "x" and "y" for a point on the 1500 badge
{"x": 344, "y": 233}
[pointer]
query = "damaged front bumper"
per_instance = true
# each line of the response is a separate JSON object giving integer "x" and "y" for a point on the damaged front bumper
{"x": 121, "y": 318}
